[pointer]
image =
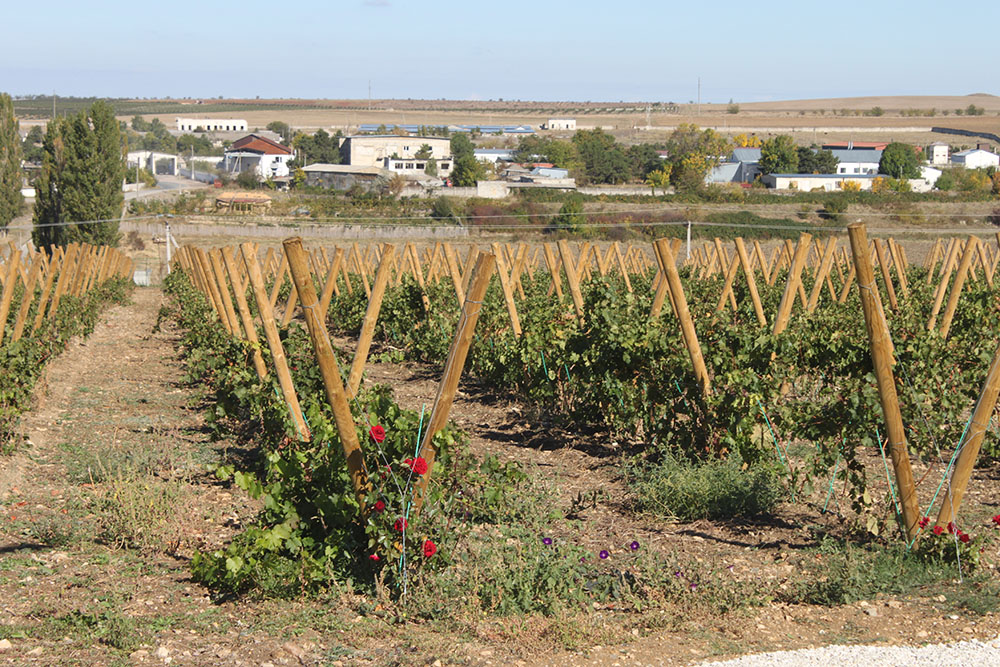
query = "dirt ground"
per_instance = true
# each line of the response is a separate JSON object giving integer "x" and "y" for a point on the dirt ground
{"x": 83, "y": 581}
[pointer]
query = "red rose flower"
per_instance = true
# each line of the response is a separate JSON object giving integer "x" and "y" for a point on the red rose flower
{"x": 938, "y": 530}
{"x": 429, "y": 549}
{"x": 373, "y": 557}
{"x": 379, "y": 506}
{"x": 400, "y": 524}
{"x": 377, "y": 433}
{"x": 996, "y": 519}
{"x": 923, "y": 522}
{"x": 951, "y": 527}
{"x": 418, "y": 465}
{"x": 964, "y": 537}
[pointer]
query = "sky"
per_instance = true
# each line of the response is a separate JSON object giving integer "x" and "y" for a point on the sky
{"x": 551, "y": 50}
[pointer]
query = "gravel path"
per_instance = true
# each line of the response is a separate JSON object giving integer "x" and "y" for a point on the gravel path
{"x": 979, "y": 653}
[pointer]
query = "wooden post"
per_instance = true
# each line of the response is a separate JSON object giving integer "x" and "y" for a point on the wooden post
{"x": 55, "y": 266}
{"x": 508, "y": 295}
{"x": 727, "y": 287}
{"x": 571, "y": 277}
{"x": 968, "y": 449}
{"x": 331, "y": 283}
{"x": 897, "y": 260}
{"x": 274, "y": 340}
{"x": 219, "y": 271}
{"x": 214, "y": 297}
{"x": 550, "y": 261}
{"x": 758, "y": 308}
{"x": 371, "y": 318}
{"x": 453, "y": 371}
{"x": 794, "y": 281}
{"x": 332, "y": 383}
{"x": 821, "y": 274}
{"x": 244, "y": 309}
{"x": 886, "y": 276}
{"x": 942, "y": 289}
{"x": 28, "y": 296}
{"x": 8, "y": 290}
{"x": 679, "y": 300}
{"x": 882, "y": 361}
{"x": 956, "y": 289}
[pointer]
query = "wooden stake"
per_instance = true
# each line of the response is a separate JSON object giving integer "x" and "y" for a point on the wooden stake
{"x": 368, "y": 325}
{"x": 329, "y": 369}
{"x": 244, "y": 309}
{"x": 882, "y": 361}
{"x": 571, "y": 277}
{"x": 794, "y": 281}
{"x": 453, "y": 371}
{"x": 956, "y": 288}
{"x": 758, "y": 308}
{"x": 968, "y": 449}
{"x": 679, "y": 301}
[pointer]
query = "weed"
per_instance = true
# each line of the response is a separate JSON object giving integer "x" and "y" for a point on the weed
{"x": 721, "y": 490}
{"x": 133, "y": 512}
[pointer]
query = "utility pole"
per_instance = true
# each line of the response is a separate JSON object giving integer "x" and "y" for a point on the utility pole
{"x": 689, "y": 240}
{"x": 699, "y": 95}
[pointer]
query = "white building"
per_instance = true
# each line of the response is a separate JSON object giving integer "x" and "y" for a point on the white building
{"x": 268, "y": 158}
{"x": 211, "y": 125}
{"x": 373, "y": 150}
{"x": 976, "y": 159}
{"x": 494, "y": 155}
{"x": 416, "y": 167}
{"x": 561, "y": 124}
{"x": 937, "y": 153}
{"x": 810, "y": 182}
{"x": 149, "y": 159}
{"x": 855, "y": 161}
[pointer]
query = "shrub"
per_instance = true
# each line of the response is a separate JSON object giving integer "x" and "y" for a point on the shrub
{"x": 442, "y": 209}
{"x": 833, "y": 209}
{"x": 719, "y": 490}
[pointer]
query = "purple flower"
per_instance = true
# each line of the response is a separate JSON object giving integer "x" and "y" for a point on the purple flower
{"x": 546, "y": 541}
{"x": 604, "y": 554}
{"x": 634, "y": 546}
{"x": 693, "y": 585}
{"x": 583, "y": 559}
{"x": 677, "y": 573}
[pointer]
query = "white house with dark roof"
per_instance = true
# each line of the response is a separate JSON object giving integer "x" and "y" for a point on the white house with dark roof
{"x": 857, "y": 162}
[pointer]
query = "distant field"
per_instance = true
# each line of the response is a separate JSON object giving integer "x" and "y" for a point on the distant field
{"x": 904, "y": 118}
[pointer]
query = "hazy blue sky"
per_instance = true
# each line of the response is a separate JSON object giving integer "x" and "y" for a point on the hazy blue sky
{"x": 540, "y": 50}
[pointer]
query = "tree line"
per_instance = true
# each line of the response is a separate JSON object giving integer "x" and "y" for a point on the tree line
{"x": 83, "y": 168}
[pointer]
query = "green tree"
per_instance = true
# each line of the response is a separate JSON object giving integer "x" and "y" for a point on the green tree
{"x": 899, "y": 160}
{"x": 779, "y": 155}
{"x": 604, "y": 160}
{"x": 461, "y": 146}
{"x": 692, "y": 152}
{"x": 570, "y": 217}
{"x": 316, "y": 148}
{"x": 83, "y": 169}
{"x": 282, "y": 129}
{"x": 424, "y": 152}
{"x": 816, "y": 161}
{"x": 31, "y": 149}
{"x": 10, "y": 163}
{"x": 431, "y": 168}
{"x": 466, "y": 171}
{"x": 140, "y": 124}
{"x": 643, "y": 158}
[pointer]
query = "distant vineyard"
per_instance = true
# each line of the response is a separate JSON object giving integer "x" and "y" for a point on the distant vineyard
{"x": 41, "y": 107}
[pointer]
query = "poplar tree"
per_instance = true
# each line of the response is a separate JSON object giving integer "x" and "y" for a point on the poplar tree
{"x": 83, "y": 169}
{"x": 10, "y": 163}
